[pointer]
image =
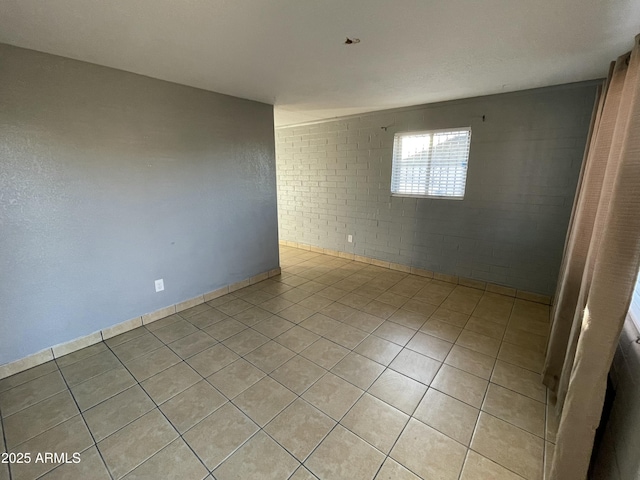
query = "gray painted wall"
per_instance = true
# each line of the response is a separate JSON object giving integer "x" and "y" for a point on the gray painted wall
{"x": 619, "y": 455}
{"x": 110, "y": 180}
{"x": 334, "y": 179}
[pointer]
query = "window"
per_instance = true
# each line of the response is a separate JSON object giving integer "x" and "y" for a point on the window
{"x": 634, "y": 308}
{"x": 431, "y": 164}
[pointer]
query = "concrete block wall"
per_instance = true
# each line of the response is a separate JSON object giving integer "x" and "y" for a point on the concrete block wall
{"x": 334, "y": 180}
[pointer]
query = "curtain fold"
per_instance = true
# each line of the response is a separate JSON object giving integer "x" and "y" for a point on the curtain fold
{"x": 599, "y": 268}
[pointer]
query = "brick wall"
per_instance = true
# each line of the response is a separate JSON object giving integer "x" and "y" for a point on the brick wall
{"x": 334, "y": 180}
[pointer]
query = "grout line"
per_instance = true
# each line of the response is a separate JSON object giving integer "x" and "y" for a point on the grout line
{"x": 84, "y": 421}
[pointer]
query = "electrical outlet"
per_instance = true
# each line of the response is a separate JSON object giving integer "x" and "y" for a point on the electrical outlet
{"x": 350, "y": 238}
{"x": 159, "y": 285}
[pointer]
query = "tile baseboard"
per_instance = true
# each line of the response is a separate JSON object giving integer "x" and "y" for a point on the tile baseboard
{"x": 467, "y": 282}
{"x": 71, "y": 346}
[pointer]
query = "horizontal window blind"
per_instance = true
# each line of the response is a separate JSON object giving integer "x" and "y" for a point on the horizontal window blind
{"x": 431, "y": 164}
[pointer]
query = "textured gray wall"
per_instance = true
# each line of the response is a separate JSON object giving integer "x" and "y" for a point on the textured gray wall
{"x": 110, "y": 180}
{"x": 334, "y": 179}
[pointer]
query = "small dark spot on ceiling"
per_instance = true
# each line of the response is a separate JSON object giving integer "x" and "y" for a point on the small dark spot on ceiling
{"x": 350, "y": 41}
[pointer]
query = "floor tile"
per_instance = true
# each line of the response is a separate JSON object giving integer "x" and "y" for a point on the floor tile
{"x": 364, "y": 321}
{"x": 296, "y": 313}
{"x": 129, "y": 447}
{"x": 477, "y": 467}
{"x": 447, "y": 415}
{"x": 212, "y": 359}
{"x": 394, "y": 333}
{"x": 225, "y": 329}
{"x": 392, "y": 299}
{"x": 235, "y": 378}
{"x": 298, "y": 374}
{"x": 81, "y": 354}
{"x": 376, "y": 422}
{"x": 193, "y": 311}
{"x": 137, "y": 347}
{"x": 442, "y": 330}
{"x": 176, "y": 460}
{"x": 332, "y": 395}
{"x": 509, "y": 446}
{"x": 494, "y": 307}
{"x": 379, "y": 309}
{"x": 102, "y": 387}
{"x": 378, "y": 349}
{"x": 479, "y": 343}
{"x": 273, "y": 326}
{"x": 118, "y": 411}
{"x": 325, "y": 353}
{"x": 302, "y": 474}
{"x": 269, "y": 356}
{"x": 191, "y": 344}
{"x": 264, "y": 400}
{"x": 170, "y": 382}
{"x": 338, "y": 311}
{"x": 126, "y": 337}
{"x": 430, "y": 346}
{"x": 259, "y": 459}
{"x": 150, "y": 364}
{"x": 485, "y": 327}
{"x": 470, "y": 361}
{"x": 392, "y": 470}
{"x": 30, "y": 393}
{"x": 37, "y": 418}
{"x": 519, "y": 380}
{"x": 461, "y": 385}
{"x": 90, "y": 367}
{"x": 429, "y": 453}
{"x": 296, "y": 295}
{"x": 193, "y": 405}
{"x": 163, "y": 322}
{"x": 300, "y": 428}
{"x": 530, "y": 341}
{"x": 276, "y": 304}
{"x": 449, "y": 316}
{"x": 207, "y": 318}
{"x": 522, "y": 357}
{"x": 28, "y": 375}
{"x": 344, "y": 456}
{"x": 297, "y": 338}
{"x": 234, "y": 306}
{"x": 245, "y": 341}
{"x": 416, "y": 366}
{"x": 408, "y": 319}
{"x": 398, "y": 390}
{"x": 417, "y": 306}
{"x": 252, "y": 315}
{"x": 354, "y": 300}
{"x": 516, "y": 409}
{"x": 69, "y": 437}
{"x": 220, "y": 434}
{"x": 175, "y": 331}
{"x": 320, "y": 324}
{"x": 358, "y": 370}
{"x": 90, "y": 467}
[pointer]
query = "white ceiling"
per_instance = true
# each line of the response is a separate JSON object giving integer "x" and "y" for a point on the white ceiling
{"x": 291, "y": 53}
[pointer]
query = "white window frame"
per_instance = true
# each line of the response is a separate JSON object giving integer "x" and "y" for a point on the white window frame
{"x": 396, "y": 192}
{"x": 634, "y": 307}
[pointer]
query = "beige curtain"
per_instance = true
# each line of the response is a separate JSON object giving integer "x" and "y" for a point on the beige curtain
{"x": 602, "y": 256}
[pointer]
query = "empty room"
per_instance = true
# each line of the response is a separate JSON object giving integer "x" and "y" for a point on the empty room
{"x": 361, "y": 240}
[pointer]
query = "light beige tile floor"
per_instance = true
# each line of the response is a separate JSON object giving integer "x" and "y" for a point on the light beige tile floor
{"x": 333, "y": 370}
